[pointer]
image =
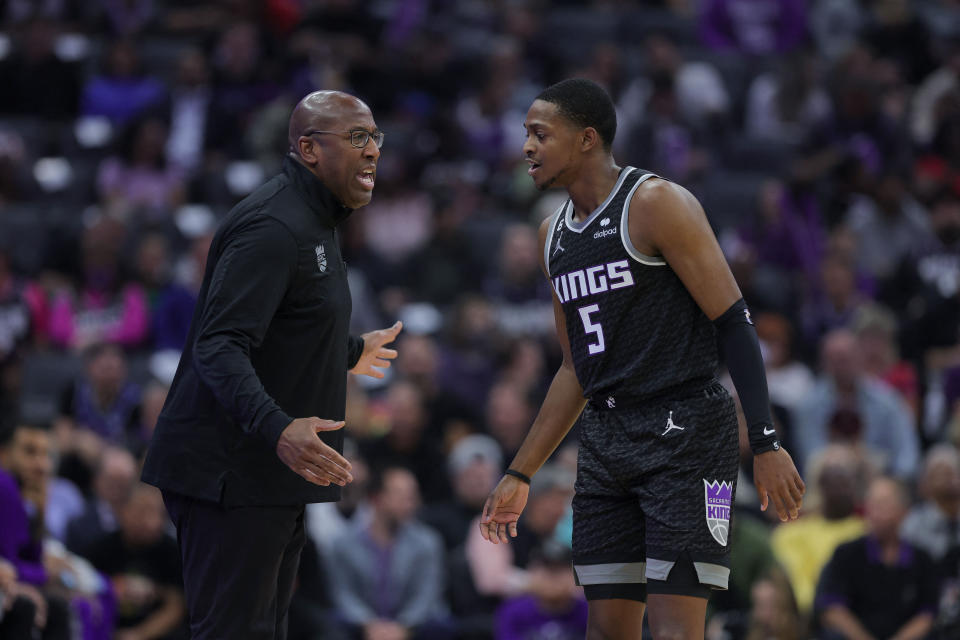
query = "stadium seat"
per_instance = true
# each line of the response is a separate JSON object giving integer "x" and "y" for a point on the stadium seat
{"x": 730, "y": 198}
{"x": 160, "y": 56}
{"x": 577, "y": 32}
{"x": 760, "y": 156}
{"x": 636, "y": 25}
{"x": 22, "y": 230}
{"x": 45, "y": 376}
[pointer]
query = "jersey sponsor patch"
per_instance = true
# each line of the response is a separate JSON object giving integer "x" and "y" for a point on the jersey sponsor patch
{"x": 603, "y": 233}
{"x": 718, "y": 498}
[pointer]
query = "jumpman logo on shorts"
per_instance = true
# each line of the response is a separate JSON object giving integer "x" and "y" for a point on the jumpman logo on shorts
{"x": 670, "y": 425}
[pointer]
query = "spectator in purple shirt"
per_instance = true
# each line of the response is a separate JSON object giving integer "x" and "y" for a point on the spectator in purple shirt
{"x": 104, "y": 401}
{"x": 122, "y": 91}
{"x": 25, "y": 468}
{"x": 755, "y": 27}
{"x": 555, "y": 610}
{"x": 171, "y": 303}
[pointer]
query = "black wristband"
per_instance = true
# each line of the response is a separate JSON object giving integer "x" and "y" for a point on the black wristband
{"x": 763, "y": 438}
{"x": 516, "y": 474}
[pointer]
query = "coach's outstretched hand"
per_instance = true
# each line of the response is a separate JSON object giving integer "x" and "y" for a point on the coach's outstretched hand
{"x": 777, "y": 481}
{"x": 502, "y": 510}
{"x": 310, "y": 457}
{"x": 375, "y": 355}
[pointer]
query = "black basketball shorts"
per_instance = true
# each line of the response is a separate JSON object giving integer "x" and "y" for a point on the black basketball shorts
{"x": 655, "y": 483}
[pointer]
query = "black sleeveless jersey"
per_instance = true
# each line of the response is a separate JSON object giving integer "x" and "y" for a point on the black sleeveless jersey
{"x": 633, "y": 326}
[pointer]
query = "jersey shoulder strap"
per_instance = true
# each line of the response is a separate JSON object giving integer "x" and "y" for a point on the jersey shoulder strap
{"x": 652, "y": 261}
{"x": 556, "y": 222}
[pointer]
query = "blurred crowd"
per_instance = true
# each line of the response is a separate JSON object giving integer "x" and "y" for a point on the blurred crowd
{"x": 821, "y": 136}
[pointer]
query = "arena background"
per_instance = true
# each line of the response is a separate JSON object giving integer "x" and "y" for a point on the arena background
{"x": 822, "y": 137}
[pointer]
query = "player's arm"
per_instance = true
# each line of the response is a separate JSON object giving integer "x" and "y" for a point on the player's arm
{"x": 564, "y": 400}
{"x": 560, "y": 409}
{"x": 666, "y": 220}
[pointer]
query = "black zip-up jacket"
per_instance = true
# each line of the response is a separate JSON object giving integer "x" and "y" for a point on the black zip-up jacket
{"x": 268, "y": 343}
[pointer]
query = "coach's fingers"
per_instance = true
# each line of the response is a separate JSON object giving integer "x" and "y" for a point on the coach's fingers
{"x": 325, "y": 451}
{"x": 327, "y": 425}
{"x": 312, "y": 477}
{"x": 513, "y": 529}
{"x": 502, "y": 532}
{"x": 333, "y": 468}
{"x": 381, "y": 363}
{"x": 323, "y": 464}
{"x": 330, "y": 473}
{"x": 390, "y": 354}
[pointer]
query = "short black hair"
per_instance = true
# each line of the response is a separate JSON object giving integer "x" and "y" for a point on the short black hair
{"x": 586, "y": 104}
{"x": 377, "y": 477}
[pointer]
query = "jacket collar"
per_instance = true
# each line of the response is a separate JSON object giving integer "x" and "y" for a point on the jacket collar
{"x": 316, "y": 194}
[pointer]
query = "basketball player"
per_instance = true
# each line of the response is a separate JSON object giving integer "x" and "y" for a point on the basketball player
{"x": 643, "y": 299}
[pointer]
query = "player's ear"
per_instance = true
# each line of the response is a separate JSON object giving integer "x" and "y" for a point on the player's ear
{"x": 589, "y": 139}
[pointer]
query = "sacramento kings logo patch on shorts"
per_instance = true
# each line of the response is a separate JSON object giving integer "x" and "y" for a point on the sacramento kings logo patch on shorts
{"x": 718, "y": 497}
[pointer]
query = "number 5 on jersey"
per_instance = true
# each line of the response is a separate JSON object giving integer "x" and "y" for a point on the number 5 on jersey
{"x": 591, "y": 327}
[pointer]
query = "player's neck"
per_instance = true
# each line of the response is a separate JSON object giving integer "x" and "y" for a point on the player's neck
{"x": 592, "y": 187}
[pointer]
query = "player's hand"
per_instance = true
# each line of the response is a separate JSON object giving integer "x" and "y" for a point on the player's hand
{"x": 502, "y": 510}
{"x": 310, "y": 457}
{"x": 777, "y": 481}
{"x": 375, "y": 355}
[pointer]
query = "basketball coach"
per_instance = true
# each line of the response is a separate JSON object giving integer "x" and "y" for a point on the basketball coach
{"x": 252, "y": 429}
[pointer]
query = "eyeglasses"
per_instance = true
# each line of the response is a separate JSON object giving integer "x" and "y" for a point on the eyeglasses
{"x": 358, "y": 137}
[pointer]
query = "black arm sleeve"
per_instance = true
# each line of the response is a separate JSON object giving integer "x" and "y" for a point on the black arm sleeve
{"x": 354, "y": 351}
{"x": 740, "y": 351}
{"x": 248, "y": 283}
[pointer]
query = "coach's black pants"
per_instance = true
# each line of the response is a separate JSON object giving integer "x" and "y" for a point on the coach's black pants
{"x": 239, "y": 566}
